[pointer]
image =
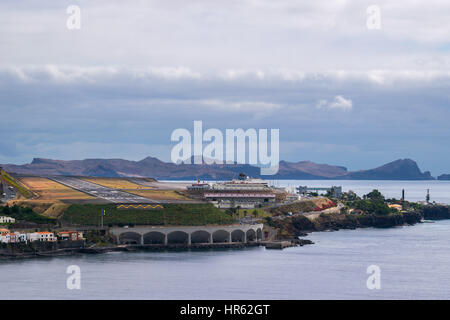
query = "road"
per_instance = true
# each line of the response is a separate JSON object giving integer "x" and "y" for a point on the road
{"x": 102, "y": 192}
{"x": 10, "y": 193}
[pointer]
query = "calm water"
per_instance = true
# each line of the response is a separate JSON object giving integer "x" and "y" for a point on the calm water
{"x": 413, "y": 260}
{"x": 414, "y": 190}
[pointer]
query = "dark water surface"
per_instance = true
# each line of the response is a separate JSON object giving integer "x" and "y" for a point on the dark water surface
{"x": 414, "y": 263}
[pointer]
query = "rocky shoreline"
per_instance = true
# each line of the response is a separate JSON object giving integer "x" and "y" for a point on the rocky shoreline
{"x": 299, "y": 226}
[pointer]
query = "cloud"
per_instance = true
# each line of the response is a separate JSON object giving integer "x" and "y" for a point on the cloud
{"x": 339, "y": 103}
{"x": 225, "y": 35}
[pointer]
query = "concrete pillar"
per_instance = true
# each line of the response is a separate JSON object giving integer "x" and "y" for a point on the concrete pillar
{"x": 189, "y": 238}
{"x": 245, "y": 237}
{"x": 118, "y": 238}
{"x": 166, "y": 239}
{"x": 229, "y": 237}
{"x": 210, "y": 237}
{"x": 142, "y": 239}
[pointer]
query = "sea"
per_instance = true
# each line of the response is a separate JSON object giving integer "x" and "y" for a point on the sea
{"x": 409, "y": 262}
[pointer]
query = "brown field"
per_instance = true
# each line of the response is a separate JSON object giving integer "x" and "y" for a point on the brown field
{"x": 159, "y": 194}
{"x": 116, "y": 183}
{"x": 48, "y": 190}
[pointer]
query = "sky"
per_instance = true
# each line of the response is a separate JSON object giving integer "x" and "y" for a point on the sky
{"x": 339, "y": 90}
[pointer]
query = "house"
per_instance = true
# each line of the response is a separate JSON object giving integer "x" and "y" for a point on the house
{"x": 41, "y": 236}
{"x": 12, "y": 237}
{"x": 3, "y": 231}
{"x": 46, "y": 236}
{"x": 4, "y": 219}
{"x": 70, "y": 235}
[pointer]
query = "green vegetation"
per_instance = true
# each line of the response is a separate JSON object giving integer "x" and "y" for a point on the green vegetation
{"x": 17, "y": 185}
{"x": 372, "y": 203}
{"x": 25, "y": 214}
{"x": 303, "y": 206}
{"x": 253, "y": 213}
{"x": 172, "y": 214}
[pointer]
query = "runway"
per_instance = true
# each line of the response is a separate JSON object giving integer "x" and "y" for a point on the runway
{"x": 102, "y": 192}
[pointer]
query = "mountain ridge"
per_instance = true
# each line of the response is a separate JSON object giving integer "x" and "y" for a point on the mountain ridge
{"x": 401, "y": 169}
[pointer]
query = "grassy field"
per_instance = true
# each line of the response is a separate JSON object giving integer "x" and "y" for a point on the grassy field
{"x": 253, "y": 213}
{"x": 172, "y": 214}
{"x": 47, "y": 190}
{"x": 116, "y": 183}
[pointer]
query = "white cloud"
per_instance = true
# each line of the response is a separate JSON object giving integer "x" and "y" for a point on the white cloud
{"x": 339, "y": 103}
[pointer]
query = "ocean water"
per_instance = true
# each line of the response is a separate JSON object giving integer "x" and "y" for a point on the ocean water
{"x": 414, "y": 190}
{"x": 413, "y": 263}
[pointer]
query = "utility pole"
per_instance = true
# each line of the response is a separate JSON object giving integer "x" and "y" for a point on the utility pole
{"x": 102, "y": 213}
{"x": 403, "y": 199}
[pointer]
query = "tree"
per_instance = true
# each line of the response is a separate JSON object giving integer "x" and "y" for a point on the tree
{"x": 6, "y": 210}
{"x": 375, "y": 195}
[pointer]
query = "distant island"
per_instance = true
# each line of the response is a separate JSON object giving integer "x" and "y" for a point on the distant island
{"x": 444, "y": 177}
{"x": 402, "y": 169}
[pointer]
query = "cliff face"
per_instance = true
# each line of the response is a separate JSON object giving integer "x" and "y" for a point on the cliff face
{"x": 436, "y": 212}
{"x": 298, "y": 225}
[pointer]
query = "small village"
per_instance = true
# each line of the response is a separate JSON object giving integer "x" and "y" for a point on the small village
{"x": 7, "y": 236}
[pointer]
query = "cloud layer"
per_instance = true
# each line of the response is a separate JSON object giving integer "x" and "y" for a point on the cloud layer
{"x": 339, "y": 92}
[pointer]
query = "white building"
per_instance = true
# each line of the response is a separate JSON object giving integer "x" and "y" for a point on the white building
{"x": 4, "y": 219}
{"x": 46, "y": 236}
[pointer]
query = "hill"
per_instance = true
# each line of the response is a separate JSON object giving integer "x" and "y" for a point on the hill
{"x": 403, "y": 169}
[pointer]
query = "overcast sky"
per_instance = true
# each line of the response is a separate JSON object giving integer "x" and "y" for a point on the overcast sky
{"x": 339, "y": 92}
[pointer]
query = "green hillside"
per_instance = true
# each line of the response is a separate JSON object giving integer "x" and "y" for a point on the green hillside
{"x": 172, "y": 214}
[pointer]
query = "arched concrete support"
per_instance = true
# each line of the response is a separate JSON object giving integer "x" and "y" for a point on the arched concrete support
{"x": 251, "y": 235}
{"x": 238, "y": 236}
{"x": 221, "y": 236}
{"x": 154, "y": 237}
{"x": 259, "y": 234}
{"x": 200, "y": 236}
{"x": 130, "y": 238}
{"x": 188, "y": 234}
{"x": 178, "y": 237}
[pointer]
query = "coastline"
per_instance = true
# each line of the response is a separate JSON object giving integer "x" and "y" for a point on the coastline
{"x": 290, "y": 232}
{"x": 299, "y": 226}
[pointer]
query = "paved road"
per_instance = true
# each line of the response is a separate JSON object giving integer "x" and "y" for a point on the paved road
{"x": 102, "y": 192}
{"x": 10, "y": 193}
